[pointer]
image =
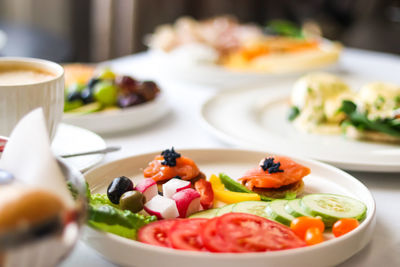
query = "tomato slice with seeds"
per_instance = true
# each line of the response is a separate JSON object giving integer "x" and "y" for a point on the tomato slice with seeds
{"x": 157, "y": 233}
{"x": 211, "y": 240}
{"x": 239, "y": 232}
{"x": 184, "y": 234}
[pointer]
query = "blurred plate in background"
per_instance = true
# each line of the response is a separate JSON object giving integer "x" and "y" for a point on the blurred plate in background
{"x": 257, "y": 118}
{"x": 118, "y": 120}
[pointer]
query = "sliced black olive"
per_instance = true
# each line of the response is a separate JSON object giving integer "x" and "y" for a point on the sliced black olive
{"x": 118, "y": 187}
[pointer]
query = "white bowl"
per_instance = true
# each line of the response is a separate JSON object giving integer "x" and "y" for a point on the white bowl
{"x": 119, "y": 120}
{"x": 323, "y": 179}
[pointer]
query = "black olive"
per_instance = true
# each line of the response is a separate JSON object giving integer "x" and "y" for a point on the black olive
{"x": 5, "y": 177}
{"x": 118, "y": 187}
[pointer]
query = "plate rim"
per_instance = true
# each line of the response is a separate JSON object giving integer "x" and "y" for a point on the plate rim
{"x": 370, "y": 219}
{"x": 226, "y": 137}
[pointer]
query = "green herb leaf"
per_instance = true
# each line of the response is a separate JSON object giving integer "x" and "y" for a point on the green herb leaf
{"x": 284, "y": 28}
{"x": 293, "y": 113}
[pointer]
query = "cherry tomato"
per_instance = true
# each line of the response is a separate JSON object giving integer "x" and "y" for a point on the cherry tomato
{"x": 239, "y": 232}
{"x": 313, "y": 236}
{"x": 206, "y": 193}
{"x": 156, "y": 233}
{"x": 343, "y": 226}
{"x": 184, "y": 234}
{"x": 301, "y": 224}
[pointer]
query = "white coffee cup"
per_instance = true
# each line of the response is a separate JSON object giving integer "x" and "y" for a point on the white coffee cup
{"x": 36, "y": 83}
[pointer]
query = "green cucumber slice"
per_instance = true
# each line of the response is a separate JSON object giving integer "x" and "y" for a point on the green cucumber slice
{"x": 293, "y": 207}
{"x": 276, "y": 211}
{"x": 225, "y": 209}
{"x": 331, "y": 207}
{"x": 253, "y": 207}
{"x": 211, "y": 213}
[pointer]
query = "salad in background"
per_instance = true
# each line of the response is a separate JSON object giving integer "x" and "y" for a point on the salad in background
{"x": 279, "y": 47}
{"x": 88, "y": 90}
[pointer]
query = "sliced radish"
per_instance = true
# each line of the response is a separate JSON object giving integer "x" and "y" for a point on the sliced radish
{"x": 174, "y": 185}
{"x": 162, "y": 207}
{"x": 187, "y": 201}
{"x": 148, "y": 187}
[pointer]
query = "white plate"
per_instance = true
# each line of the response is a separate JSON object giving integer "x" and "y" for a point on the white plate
{"x": 323, "y": 178}
{"x": 222, "y": 77}
{"x": 257, "y": 118}
{"x": 121, "y": 119}
{"x": 71, "y": 139}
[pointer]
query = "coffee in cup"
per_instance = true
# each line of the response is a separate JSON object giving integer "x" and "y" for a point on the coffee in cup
{"x": 26, "y": 84}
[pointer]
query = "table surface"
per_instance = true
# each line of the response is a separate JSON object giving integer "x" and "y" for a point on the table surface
{"x": 181, "y": 127}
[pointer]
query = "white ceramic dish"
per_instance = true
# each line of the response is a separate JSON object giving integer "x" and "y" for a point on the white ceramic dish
{"x": 121, "y": 120}
{"x": 323, "y": 178}
{"x": 215, "y": 75}
{"x": 257, "y": 118}
{"x": 71, "y": 139}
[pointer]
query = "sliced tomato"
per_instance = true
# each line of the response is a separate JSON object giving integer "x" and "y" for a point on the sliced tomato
{"x": 185, "y": 234}
{"x": 185, "y": 168}
{"x": 239, "y": 232}
{"x": 211, "y": 240}
{"x": 206, "y": 193}
{"x": 157, "y": 233}
{"x": 292, "y": 172}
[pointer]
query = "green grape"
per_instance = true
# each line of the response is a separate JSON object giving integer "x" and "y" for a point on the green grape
{"x": 105, "y": 93}
{"x": 107, "y": 74}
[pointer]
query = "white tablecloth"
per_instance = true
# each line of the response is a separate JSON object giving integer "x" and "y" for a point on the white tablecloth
{"x": 181, "y": 127}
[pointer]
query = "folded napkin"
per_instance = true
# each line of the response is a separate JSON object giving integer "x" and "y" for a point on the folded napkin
{"x": 28, "y": 156}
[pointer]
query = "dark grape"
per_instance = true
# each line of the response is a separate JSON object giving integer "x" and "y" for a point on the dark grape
{"x": 127, "y": 84}
{"x": 125, "y": 101}
{"x": 92, "y": 82}
{"x": 148, "y": 90}
{"x": 87, "y": 96}
{"x": 73, "y": 96}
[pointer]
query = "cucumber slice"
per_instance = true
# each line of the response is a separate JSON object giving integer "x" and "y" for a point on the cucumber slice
{"x": 252, "y": 207}
{"x": 276, "y": 211}
{"x": 225, "y": 209}
{"x": 211, "y": 213}
{"x": 332, "y": 207}
{"x": 293, "y": 207}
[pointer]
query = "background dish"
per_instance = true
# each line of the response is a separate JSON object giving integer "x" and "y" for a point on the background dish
{"x": 215, "y": 75}
{"x": 234, "y": 162}
{"x": 257, "y": 118}
{"x": 121, "y": 120}
{"x": 71, "y": 139}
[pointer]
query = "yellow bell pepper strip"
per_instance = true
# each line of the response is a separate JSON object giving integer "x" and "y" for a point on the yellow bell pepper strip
{"x": 229, "y": 197}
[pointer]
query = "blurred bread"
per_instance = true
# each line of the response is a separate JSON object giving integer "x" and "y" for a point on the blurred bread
{"x": 22, "y": 206}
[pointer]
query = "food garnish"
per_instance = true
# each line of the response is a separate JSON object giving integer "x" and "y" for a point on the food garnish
{"x": 170, "y": 157}
{"x": 269, "y": 165}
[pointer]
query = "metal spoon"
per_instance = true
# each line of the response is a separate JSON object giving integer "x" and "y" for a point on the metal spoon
{"x": 99, "y": 151}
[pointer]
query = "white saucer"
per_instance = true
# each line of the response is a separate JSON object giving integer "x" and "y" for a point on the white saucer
{"x": 71, "y": 139}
